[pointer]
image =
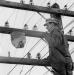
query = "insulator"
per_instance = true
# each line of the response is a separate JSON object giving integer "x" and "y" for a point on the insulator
{"x": 29, "y": 55}
{"x": 70, "y": 32}
{"x": 65, "y": 7}
{"x": 22, "y": 2}
{"x": 8, "y": 53}
{"x": 6, "y": 24}
{"x": 48, "y": 4}
{"x": 38, "y": 56}
{"x": 35, "y": 28}
{"x": 31, "y": 2}
{"x": 25, "y": 27}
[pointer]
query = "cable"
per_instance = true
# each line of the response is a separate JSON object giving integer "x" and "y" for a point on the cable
{"x": 21, "y": 70}
{"x": 29, "y": 70}
{"x": 47, "y": 52}
{"x": 71, "y": 50}
{"x": 71, "y": 5}
{"x": 32, "y": 67}
{"x": 34, "y": 13}
{"x": 45, "y": 18}
{"x": 30, "y": 17}
{"x": 69, "y": 24}
{"x": 45, "y": 72}
{"x": 24, "y": 56}
{"x": 43, "y": 48}
{"x": 38, "y": 13}
{"x": 41, "y": 15}
{"x": 11, "y": 14}
{"x": 16, "y": 16}
{"x": 23, "y": 65}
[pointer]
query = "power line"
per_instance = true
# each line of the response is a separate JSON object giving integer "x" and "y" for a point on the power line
{"x": 21, "y": 70}
{"x": 44, "y": 18}
{"x": 23, "y": 65}
{"x": 30, "y": 18}
{"x": 41, "y": 15}
{"x": 71, "y": 5}
{"x": 16, "y": 16}
{"x": 24, "y": 56}
{"x": 45, "y": 72}
{"x": 33, "y": 66}
{"x": 12, "y": 14}
{"x": 29, "y": 70}
{"x": 69, "y": 24}
{"x": 43, "y": 56}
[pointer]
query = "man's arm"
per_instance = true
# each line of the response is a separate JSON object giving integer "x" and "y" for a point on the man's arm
{"x": 54, "y": 39}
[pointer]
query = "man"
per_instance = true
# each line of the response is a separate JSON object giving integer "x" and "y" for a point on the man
{"x": 59, "y": 56}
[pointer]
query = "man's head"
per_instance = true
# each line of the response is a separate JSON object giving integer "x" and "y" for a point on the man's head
{"x": 51, "y": 24}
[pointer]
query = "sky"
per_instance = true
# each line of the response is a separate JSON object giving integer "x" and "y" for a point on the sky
{"x": 17, "y": 19}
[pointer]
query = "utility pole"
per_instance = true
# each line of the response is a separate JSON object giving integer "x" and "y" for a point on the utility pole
{"x": 23, "y": 61}
{"x": 30, "y": 33}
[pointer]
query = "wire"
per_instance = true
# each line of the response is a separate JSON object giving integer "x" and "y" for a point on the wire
{"x": 30, "y": 18}
{"x": 69, "y": 24}
{"x": 72, "y": 20}
{"x": 21, "y": 70}
{"x": 29, "y": 70}
{"x": 34, "y": 66}
{"x": 34, "y": 13}
{"x": 45, "y": 72}
{"x": 71, "y": 5}
{"x": 24, "y": 56}
{"x": 45, "y": 19}
{"x": 13, "y": 68}
{"x": 11, "y": 14}
{"x": 41, "y": 15}
{"x": 43, "y": 48}
{"x": 72, "y": 50}
{"x": 23, "y": 65}
{"x": 16, "y": 16}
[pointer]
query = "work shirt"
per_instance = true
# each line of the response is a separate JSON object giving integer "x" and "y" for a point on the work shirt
{"x": 58, "y": 48}
{"x": 56, "y": 40}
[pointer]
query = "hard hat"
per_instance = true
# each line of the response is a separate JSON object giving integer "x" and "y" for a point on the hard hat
{"x": 51, "y": 20}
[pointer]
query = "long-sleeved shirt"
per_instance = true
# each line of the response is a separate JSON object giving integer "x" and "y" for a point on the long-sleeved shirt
{"x": 57, "y": 43}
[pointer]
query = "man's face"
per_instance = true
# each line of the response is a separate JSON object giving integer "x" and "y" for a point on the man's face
{"x": 50, "y": 26}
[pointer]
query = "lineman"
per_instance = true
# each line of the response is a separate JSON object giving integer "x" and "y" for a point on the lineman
{"x": 59, "y": 56}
